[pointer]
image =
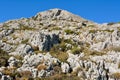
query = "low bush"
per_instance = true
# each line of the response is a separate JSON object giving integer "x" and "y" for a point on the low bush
{"x": 76, "y": 50}
{"x": 116, "y": 76}
{"x": 68, "y": 31}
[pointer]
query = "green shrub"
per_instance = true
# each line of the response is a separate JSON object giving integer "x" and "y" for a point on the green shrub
{"x": 23, "y": 27}
{"x": 56, "y": 28}
{"x": 59, "y": 51}
{"x": 76, "y": 50}
{"x": 92, "y": 31}
{"x": 68, "y": 31}
{"x": 69, "y": 41}
{"x": 24, "y": 41}
{"x": 59, "y": 47}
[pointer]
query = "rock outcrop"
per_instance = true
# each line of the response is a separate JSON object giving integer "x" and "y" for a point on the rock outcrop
{"x": 59, "y": 45}
{"x": 44, "y": 41}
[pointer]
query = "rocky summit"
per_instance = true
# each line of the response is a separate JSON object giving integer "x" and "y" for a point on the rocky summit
{"x": 58, "y": 45}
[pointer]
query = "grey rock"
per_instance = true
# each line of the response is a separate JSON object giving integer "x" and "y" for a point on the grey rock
{"x": 57, "y": 14}
{"x": 44, "y": 41}
{"x": 42, "y": 73}
{"x": 13, "y": 62}
{"x": 6, "y": 47}
{"x": 22, "y": 50}
{"x": 65, "y": 68}
{"x": 4, "y": 77}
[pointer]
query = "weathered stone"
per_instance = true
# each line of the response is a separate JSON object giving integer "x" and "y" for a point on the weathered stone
{"x": 44, "y": 41}
{"x": 65, "y": 68}
{"x": 22, "y": 50}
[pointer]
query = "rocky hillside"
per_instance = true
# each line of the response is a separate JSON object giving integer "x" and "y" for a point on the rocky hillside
{"x": 58, "y": 45}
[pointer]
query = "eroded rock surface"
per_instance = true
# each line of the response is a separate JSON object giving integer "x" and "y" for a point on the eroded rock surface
{"x": 57, "y": 44}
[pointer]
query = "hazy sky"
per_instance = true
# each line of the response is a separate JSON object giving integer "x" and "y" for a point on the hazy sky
{"x": 100, "y": 11}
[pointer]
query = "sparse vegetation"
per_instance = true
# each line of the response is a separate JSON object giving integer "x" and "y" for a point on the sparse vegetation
{"x": 68, "y": 31}
{"x": 60, "y": 77}
{"x": 4, "y": 39}
{"x": 119, "y": 65}
{"x": 117, "y": 49}
{"x": 47, "y": 40}
{"x": 59, "y": 51}
{"x": 24, "y": 41}
{"x": 116, "y": 76}
{"x": 3, "y": 58}
{"x": 56, "y": 28}
{"x": 91, "y": 25}
{"x": 23, "y": 27}
{"x": 9, "y": 71}
{"x": 26, "y": 74}
{"x": 94, "y": 31}
{"x": 61, "y": 55}
{"x": 76, "y": 50}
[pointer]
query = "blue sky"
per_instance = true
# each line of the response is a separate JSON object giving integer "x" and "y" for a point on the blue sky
{"x": 99, "y": 11}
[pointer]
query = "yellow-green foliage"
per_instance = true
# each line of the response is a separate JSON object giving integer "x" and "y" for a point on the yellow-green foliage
{"x": 76, "y": 50}
{"x": 62, "y": 56}
{"x": 88, "y": 52}
{"x": 4, "y": 39}
{"x": 24, "y": 41}
{"x": 68, "y": 41}
{"x": 59, "y": 51}
{"x": 94, "y": 31}
{"x": 56, "y": 28}
{"x": 68, "y": 31}
{"x": 23, "y": 27}
{"x": 59, "y": 47}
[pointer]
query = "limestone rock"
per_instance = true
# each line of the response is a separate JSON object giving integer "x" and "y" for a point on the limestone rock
{"x": 65, "y": 68}
{"x": 13, "y": 62}
{"x": 22, "y": 50}
{"x": 44, "y": 41}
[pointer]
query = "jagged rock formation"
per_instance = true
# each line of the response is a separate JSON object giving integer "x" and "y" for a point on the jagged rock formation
{"x": 56, "y": 44}
{"x": 44, "y": 41}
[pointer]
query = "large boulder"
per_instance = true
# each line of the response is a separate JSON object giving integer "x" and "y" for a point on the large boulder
{"x": 22, "y": 50}
{"x": 13, "y": 61}
{"x": 34, "y": 62}
{"x": 65, "y": 68}
{"x": 44, "y": 41}
{"x": 6, "y": 32}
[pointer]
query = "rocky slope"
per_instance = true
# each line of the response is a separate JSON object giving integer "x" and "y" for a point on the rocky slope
{"x": 58, "y": 45}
